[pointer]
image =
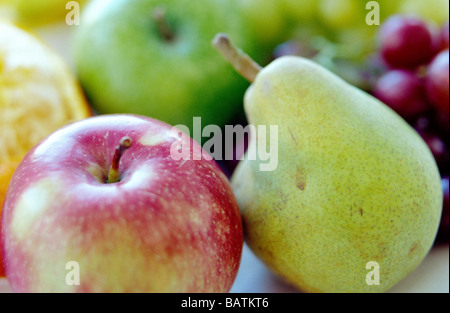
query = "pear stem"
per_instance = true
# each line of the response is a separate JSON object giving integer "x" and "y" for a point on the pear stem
{"x": 159, "y": 15}
{"x": 242, "y": 63}
{"x": 113, "y": 175}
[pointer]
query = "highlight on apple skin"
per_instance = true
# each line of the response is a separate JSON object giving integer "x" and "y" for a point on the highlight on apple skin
{"x": 163, "y": 226}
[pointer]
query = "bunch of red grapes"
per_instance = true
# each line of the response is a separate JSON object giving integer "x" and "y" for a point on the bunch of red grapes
{"x": 415, "y": 83}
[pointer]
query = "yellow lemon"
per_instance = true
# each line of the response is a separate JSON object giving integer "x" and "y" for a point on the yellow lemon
{"x": 38, "y": 94}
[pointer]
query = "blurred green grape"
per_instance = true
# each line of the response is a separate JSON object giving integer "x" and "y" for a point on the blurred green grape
{"x": 436, "y": 11}
{"x": 299, "y": 11}
{"x": 266, "y": 20}
{"x": 339, "y": 14}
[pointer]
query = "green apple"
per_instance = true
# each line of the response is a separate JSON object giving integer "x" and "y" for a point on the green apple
{"x": 155, "y": 58}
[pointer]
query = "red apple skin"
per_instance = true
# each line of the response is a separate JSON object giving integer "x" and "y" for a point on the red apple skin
{"x": 166, "y": 226}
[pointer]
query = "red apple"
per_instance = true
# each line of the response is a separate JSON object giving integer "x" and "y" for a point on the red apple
{"x": 160, "y": 225}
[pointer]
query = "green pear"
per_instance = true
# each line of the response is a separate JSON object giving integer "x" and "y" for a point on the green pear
{"x": 355, "y": 202}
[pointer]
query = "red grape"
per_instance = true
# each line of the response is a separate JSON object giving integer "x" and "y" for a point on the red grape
{"x": 422, "y": 124}
{"x": 437, "y": 82}
{"x": 403, "y": 91}
{"x": 444, "y": 36}
{"x": 406, "y": 42}
{"x": 436, "y": 34}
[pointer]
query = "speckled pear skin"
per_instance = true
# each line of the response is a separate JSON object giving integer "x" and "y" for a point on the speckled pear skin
{"x": 354, "y": 183}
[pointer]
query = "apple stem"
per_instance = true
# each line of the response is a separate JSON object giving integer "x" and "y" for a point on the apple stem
{"x": 113, "y": 175}
{"x": 242, "y": 63}
{"x": 159, "y": 14}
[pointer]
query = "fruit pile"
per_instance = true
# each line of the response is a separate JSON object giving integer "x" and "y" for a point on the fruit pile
{"x": 415, "y": 84}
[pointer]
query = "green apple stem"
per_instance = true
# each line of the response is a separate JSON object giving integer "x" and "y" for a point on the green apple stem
{"x": 243, "y": 64}
{"x": 159, "y": 14}
{"x": 113, "y": 175}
